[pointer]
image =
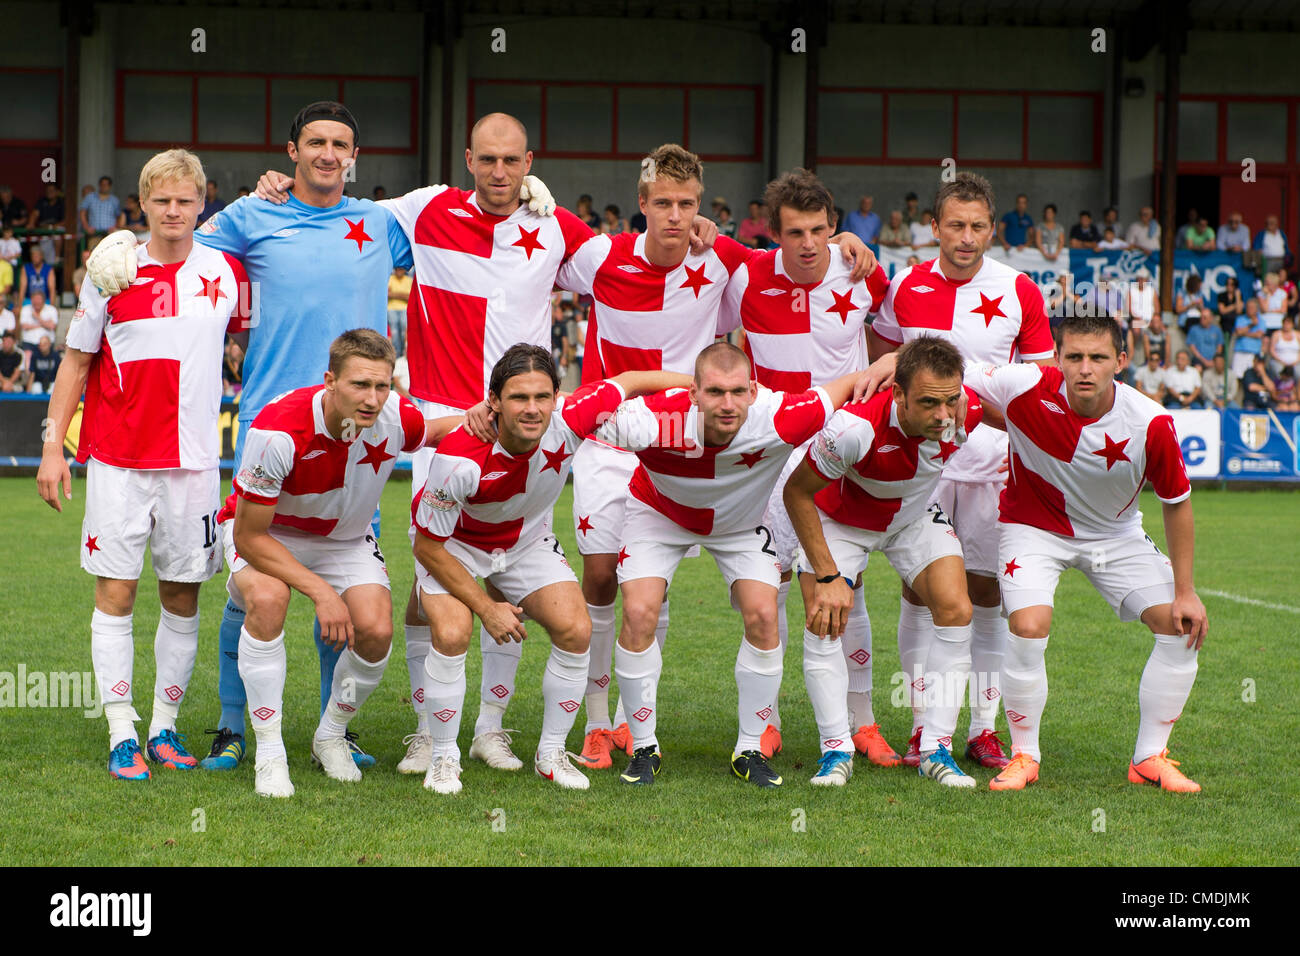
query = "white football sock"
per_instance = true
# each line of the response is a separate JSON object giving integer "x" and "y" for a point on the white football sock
{"x": 175, "y": 648}
{"x": 1166, "y": 684}
{"x": 418, "y": 642}
{"x": 758, "y": 680}
{"x": 915, "y": 634}
{"x": 444, "y": 699}
{"x": 855, "y": 645}
{"x": 661, "y": 635}
{"x": 826, "y": 676}
{"x": 783, "y": 635}
{"x": 599, "y": 666}
{"x": 262, "y": 667}
{"x": 988, "y": 642}
{"x": 1024, "y": 690}
{"x": 500, "y": 664}
{"x": 946, "y": 669}
{"x": 638, "y": 679}
{"x": 562, "y": 684}
{"x": 112, "y": 653}
{"x": 355, "y": 678}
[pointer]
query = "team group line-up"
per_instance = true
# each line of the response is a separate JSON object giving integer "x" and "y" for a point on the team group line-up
{"x": 930, "y": 417}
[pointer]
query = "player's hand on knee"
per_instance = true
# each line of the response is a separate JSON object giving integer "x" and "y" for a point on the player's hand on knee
{"x": 534, "y": 192}
{"x": 505, "y": 622}
{"x": 111, "y": 266}
{"x": 830, "y": 608}
{"x": 481, "y": 422}
{"x": 1190, "y": 618}
{"x": 335, "y": 621}
{"x": 704, "y": 233}
{"x": 274, "y": 187}
{"x": 52, "y": 476}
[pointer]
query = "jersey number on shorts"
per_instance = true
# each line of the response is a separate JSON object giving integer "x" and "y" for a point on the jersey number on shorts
{"x": 370, "y": 539}
{"x": 938, "y": 517}
{"x": 209, "y": 530}
{"x": 767, "y": 540}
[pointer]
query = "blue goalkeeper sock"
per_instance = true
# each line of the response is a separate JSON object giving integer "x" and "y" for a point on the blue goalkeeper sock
{"x": 230, "y": 688}
{"x": 329, "y": 658}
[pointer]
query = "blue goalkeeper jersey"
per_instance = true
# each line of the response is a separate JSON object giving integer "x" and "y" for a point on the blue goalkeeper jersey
{"x": 315, "y": 273}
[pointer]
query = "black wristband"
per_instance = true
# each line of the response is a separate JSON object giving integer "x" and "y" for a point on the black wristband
{"x": 829, "y": 578}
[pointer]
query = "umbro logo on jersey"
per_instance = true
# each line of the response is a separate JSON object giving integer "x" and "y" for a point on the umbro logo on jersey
{"x": 283, "y": 233}
{"x": 313, "y": 454}
{"x": 630, "y": 269}
{"x": 883, "y": 449}
{"x": 774, "y": 292}
{"x": 464, "y": 214}
{"x": 1052, "y": 406}
{"x": 493, "y": 475}
{"x": 921, "y": 288}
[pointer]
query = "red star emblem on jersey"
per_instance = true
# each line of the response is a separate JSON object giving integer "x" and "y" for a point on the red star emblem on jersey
{"x": 357, "y": 232}
{"x": 622, "y": 555}
{"x": 528, "y": 239}
{"x": 584, "y": 523}
{"x": 554, "y": 459}
{"x": 695, "y": 280}
{"x": 1011, "y": 568}
{"x": 946, "y": 448}
{"x": 989, "y": 309}
{"x": 211, "y": 290}
{"x": 751, "y": 458}
{"x": 1113, "y": 452}
{"x": 375, "y": 454}
{"x": 843, "y": 306}
{"x": 92, "y": 543}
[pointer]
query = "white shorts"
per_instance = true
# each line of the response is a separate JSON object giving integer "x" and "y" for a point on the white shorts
{"x": 171, "y": 510}
{"x": 1130, "y": 572}
{"x": 910, "y": 550}
{"x": 973, "y": 510}
{"x": 516, "y": 573}
{"x": 784, "y": 540}
{"x": 600, "y": 478}
{"x": 340, "y": 564}
{"x": 423, "y": 459}
{"x": 653, "y": 547}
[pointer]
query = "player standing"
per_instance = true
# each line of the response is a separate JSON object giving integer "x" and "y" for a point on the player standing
{"x": 486, "y": 512}
{"x": 863, "y": 487}
{"x": 1082, "y": 446}
{"x": 992, "y": 313}
{"x": 149, "y": 360}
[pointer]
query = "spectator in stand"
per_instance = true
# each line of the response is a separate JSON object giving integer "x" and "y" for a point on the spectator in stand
{"x": 1180, "y": 237}
{"x": 1257, "y": 390}
{"x": 378, "y": 194}
{"x": 79, "y": 273}
{"x": 1285, "y": 391}
{"x": 1183, "y": 384}
{"x": 99, "y": 211}
{"x": 1286, "y": 285}
{"x": 753, "y": 232}
{"x": 895, "y": 234}
{"x": 43, "y": 366}
{"x": 611, "y": 222}
{"x": 1283, "y": 347}
{"x": 37, "y": 320}
{"x": 399, "y": 294}
{"x": 1230, "y": 308}
{"x": 1217, "y": 387}
{"x": 636, "y": 225}
{"x": 242, "y": 192}
{"x": 586, "y": 213}
{"x": 1058, "y": 299}
{"x": 232, "y": 369}
{"x": 923, "y": 233}
{"x": 1190, "y": 303}
{"x": 1049, "y": 237}
{"x": 1016, "y": 230}
{"x": 726, "y": 225}
{"x": 1110, "y": 217}
{"x": 1155, "y": 337}
{"x": 11, "y": 363}
{"x": 1248, "y": 342}
{"x": 1205, "y": 340}
{"x": 580, "y": 352}
{"x": 11, "y": 250}
{"x": 6, "y": 281}
{"x": 37, "y": 274}
{"x": 1145, "y": 233}
{"x": 1270, "y": 243}
{"x": 911, "y": 210}
{"x": 716, "y": 206}
{"x": 1150, "y": 378}
{"x": 47, "y": 214}
{"x": 132, "y": 217}
{"x": 1200, "y": 238}
{"x": 863, "y": 222}
{"x": 13, "y": 211}
{"x": 1143, "y": 304}
{"x": 1234, "y": 235}
{"x": 213, "y": 204}
{"x": 7, "y": 321}
{"x": 1272, "y": 302}
{"x": 1084, "y": 234}
{"x": 559, "y": 338}
{"x": 1108, "y": 240}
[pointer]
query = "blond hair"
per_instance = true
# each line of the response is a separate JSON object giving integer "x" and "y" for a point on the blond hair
{"x": 360, "y": 343}
{"x": 670, "y": 161}
{"x": 173, "y": 164}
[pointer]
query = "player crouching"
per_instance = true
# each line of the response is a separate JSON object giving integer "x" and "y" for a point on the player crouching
{"x": 485, "y": 511}
{"x": 315, "y": 462}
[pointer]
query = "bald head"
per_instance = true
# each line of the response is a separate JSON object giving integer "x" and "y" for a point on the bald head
{"x": 499, "y": 126}
{"x": 499, "y": 158}
{"x": 722, "y": 357}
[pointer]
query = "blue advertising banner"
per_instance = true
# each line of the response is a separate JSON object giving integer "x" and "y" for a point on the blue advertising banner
{"x": 1260, "y": 446}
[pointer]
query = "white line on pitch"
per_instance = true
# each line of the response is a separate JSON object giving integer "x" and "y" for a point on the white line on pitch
{"x": 1245, "y": 600}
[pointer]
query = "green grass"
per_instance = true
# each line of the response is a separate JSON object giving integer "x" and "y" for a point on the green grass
{"x": 61, "y": 807}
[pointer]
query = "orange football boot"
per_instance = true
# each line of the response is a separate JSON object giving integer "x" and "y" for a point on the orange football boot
{"x": 1160, "y": 771}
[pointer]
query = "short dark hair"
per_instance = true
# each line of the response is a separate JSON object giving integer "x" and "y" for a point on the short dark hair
{"x": 324, "y": 110}
{"x": 723, "y": 355}
{"x": 927, "y": 353}
{"x": 1051, "y": 206}
{"x": 1084, "y": 212}
{"x": 801, "y": 191}
{"x": 520, "y": 359}
{"x": 361, "y": 343}
{"x": 965, "y": 187}
{"x": 1090, "y": 325}
{"x": 614, "y": 209}
{"x": 109, "y": 178}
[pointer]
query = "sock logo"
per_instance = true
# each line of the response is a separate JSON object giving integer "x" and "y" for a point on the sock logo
{"x": 120, "y": 688}
{"x": 418, "y": 696}
{"x": 763, "y": 714}
{"x": 569, "y": 706}
{"x": 602, "y": 681}
{"x": 861, "y": 656}
{"x": 918, "y": 684}
{"x": 1014, "y": 717}
{"x": 992, "y": 694}
{"x": 264, "y": 713}
{"x": 345, "y": 707}
{"x": 643, "y": 714}
{"x": 445, "y": 714}
{"x": 501, "y": 690}
{"x": 173, "y": 693}
{"x": 833, "y": 743}
{"x": 945, "y": 742}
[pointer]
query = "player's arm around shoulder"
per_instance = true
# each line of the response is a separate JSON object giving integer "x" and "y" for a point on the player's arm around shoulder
{"x": 69, "y": 384}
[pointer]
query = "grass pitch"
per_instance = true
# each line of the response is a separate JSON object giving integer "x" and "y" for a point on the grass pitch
{"x": 1235, "y": 737}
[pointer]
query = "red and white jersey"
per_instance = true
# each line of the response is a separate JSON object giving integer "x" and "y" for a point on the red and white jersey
{"x": 485, "y": 497}
{"x": 153, "y": 398}
{"x": 881, "y": 478}
{"x": 706, "y": 489}
{"x": 482, "y": 284}
{"x": 799, "y": 334}
{"x": 1075, "y": 476}
{"x": 318, "y": 483}
{"x": 649, "y": 317}
{"x": 995, "y": 316}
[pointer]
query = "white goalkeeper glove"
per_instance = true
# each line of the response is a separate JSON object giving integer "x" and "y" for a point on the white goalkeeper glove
{"x": 539, "y": 199}
{"x": 111, "y": 267}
